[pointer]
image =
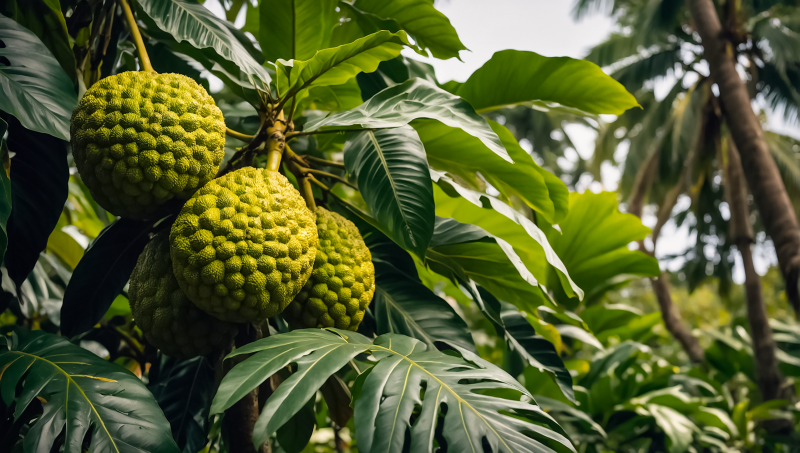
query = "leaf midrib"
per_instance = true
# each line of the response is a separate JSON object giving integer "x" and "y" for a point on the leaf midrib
{"x": 408, "y": 318}
{"x": 70, "y": 380}
{"x": 392, "y": 184}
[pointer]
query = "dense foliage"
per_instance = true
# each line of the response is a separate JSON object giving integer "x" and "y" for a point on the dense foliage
{"x": 495, "y": 310}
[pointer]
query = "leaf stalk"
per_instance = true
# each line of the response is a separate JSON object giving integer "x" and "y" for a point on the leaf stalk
{"x": 137, "y": 37}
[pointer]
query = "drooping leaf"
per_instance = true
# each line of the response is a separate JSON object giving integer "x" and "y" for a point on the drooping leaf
{"x": 551, "y": 406}
{"x": 33, "y": 86}
{"x": 458, "y": 153}
{"x": 339, "y": 64}
{"x": 678, "y": 428}
{"x": 102, "y": 273}
{"x": 392, "y": 72}
{"x": 404, "y": 306}
{"x": 514, "y": 77}
{"x": 39, "y": 177}
{"x": 501, "y": 220}
{"x": 610, "y": 360}
{"x": 387, "y": 394}
{"x": 184, "y": 389}
{"x": 44, "y": 18}
{"x": 593, "y": 243}
{"x": 461, "y": 250}
{"x": 317, "y": 353}
{"x": 522, "y": 340}
{"x": 295, "y": 29}
{"x": 391, "y": 171}
{"x": 430, "y": 28}
{"x": 192, "y": 22}
{"x": 416, "y": 98}
{"x": 294, "y": 435}
{"x": 81, "y": 394}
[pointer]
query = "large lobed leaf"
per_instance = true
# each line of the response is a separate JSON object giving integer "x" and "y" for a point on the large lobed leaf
{"x": 33, "y": 85}
{"x": 80, "y": 393}
{"x": 337, "y": 65}
{"x": 514, "y": 77}
{"x": 386, "y": 395}
{"x": 413, "y": 99}
{"x": 391, "y": 170}
{"x": 192, "y": 22}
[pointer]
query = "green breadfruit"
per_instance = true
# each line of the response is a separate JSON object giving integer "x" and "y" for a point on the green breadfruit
{"x": 168, "y": 319}
{"x": 343, "y": 280}
{"x": 140, "y": 139}
{"x": 244, "y": 245}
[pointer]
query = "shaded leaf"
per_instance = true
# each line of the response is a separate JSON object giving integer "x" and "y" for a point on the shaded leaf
{"x": 39, "y": 178}
{"x": 513, "y": 77}
{"x": 404, "y": 306}
{"x": 294, "y": 435}
{"x": 33, "y": 86}
{"x": 102, "y": 273}
{"x": 84, "y": 394}
{"x": 416, "y": 98}
{"x": 5, "y": 190}
{"x": 184, "y": 389}
{"x": 391, "y": 171}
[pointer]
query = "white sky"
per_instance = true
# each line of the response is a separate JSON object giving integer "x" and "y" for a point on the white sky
{"x": 547, "y": 27}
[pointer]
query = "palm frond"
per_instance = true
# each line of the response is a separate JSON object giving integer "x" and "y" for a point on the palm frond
{"x": 616, "y": 47}
{"x": 779, "y": 89}
{"x": 584, "y": 8}
{"x": 785, "y": 151}
{"x": 659, "y": 63}
{"x": 780, "y": 44}
{"x": 658, "y": 19}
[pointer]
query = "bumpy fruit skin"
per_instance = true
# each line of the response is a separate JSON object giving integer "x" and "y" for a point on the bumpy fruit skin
{"x": 140, "y": 139}
{"x": 167, "y": 318}
{"x": 243, "y": 246}
{"x": 343, "y": 280}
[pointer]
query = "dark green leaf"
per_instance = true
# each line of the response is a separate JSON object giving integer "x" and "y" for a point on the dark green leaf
{"x": 193, "y": 23}
{"x": 295, "y": 29}
{"x": 5, "y": 191}
{"x": 184, "y": 389}
{"x": 551, "y": 405}
{"x": 430, "y": 28}
{"x": 337, "y": 65}
{"x": 317, "y": 353}
{"x": 33, "y": 86}
{"x": 513, "y": 77}
{"x": 388, "y": 394}
{"x": 44, "y": 18}
{"x": 102, "y": 273}
{"x": 39, "y": 177}
{"x": 83, "y": 394}
{"x": 294, "y": 435}
{"x": 404, "y": 306}
{"x": 392, "y": 174}
{"x": 416, "y": 98}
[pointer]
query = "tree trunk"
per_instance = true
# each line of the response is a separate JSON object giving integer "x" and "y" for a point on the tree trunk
{"x": 669, "y": 312}
{"x": 762, "y": 175}
{"x": 741, "y": 232}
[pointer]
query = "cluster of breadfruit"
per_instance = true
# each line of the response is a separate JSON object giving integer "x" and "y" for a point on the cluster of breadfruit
{"x": 243, "y": 248}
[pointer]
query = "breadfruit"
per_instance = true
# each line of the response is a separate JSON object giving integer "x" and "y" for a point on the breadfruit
{"x": 342, "y": 282}
{"x": 243, "y": 246}
{"x": 140, "y": 139}
{"x": 167, "y": 318}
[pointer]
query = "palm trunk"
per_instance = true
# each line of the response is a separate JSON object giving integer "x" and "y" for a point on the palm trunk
{"x": 761, "y": 172}
{"x": 669, "y": 312}
{"x": 741, "y": 232}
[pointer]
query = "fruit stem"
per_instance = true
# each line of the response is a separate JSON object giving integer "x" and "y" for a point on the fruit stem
{"x": 276, "y": 142}
{"x": 329, "y": 175}
{"x": 137, "y": 37}
{"x": 239, "y": 135}
{"x": 323, "y": 162}
{"x": 302, "y": 179}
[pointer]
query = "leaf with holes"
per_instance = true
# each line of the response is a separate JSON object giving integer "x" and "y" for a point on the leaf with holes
{"x": 404, "y": 306}
{"x": 392, "y": 174}
{"x": 79, "y": 394}
{"x": 33, "y": 86}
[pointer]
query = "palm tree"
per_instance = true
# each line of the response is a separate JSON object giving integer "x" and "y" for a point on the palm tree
{"x": 679, "y": 143}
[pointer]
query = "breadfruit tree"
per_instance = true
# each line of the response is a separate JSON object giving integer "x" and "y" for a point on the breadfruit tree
{"x": 284, "y": 227}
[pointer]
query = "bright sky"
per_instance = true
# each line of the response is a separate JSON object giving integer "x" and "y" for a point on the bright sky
{"x": 547, "y": 27}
